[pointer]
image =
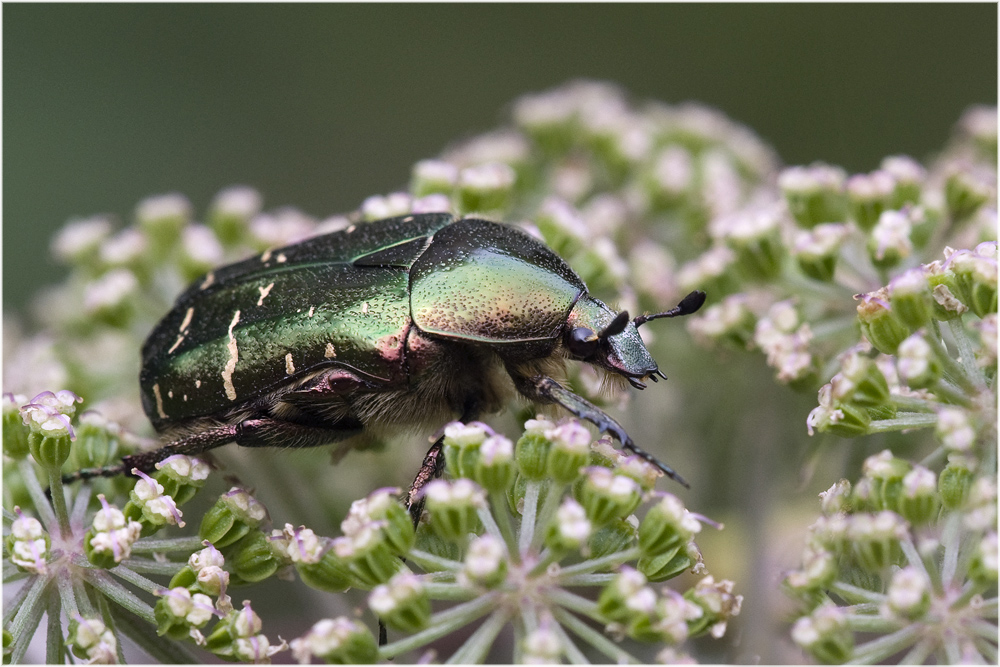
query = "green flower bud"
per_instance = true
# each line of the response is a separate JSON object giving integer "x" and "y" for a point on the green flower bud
{"x": 485, "y": 563}
{"x": 755, "y": 237}
{"x": 916, "y": 362}
{"x": 919, "y": 501}
{"x": 814, "y": 194}
{"x": 485, "y": 187}
{"x": 730, "y": 323}
{"x": 669, "y": 563}
{"x": 624, "y": 595}
{"x": 78, "y": 243}
{"x": 880, "y": 325}
{"x": 606, "y": 495}
{"x": 817, "y": 250}
{"x": 251, "y": 558}
{"x": 200, "y": 252}
{"x": 945, "y": 291}
{"x": 91, "y": 640}
{"x": 428, "y": 540}
{"x": 667, "y": 525}
{"x": 836, "y": 499}
{"x": 370, "y": 556}
{"x": 15, "y": 431}
{"x": 885, "y": 473}
{"x": 869, "y": 195}
{"x": 890, "y": 240}
{"x": 908, "y": 177}
{"x": 330, "y": 573}
{"x": 494, "y": 469}
{"x": 909, "y": 595}
{"x": 570, "y": 451}
{"x": 109, "y": 541}
{"x": 612, "y": 537}
{"x": 382, "y": 508}
{"x": 861, "y": 382}
{"x": 231, "y": 211}
{"x": 232, "y": 517}
{"x": 162, "y": 219}
{"x": 402, "y": 604}
{"x": 154, "y": 508}
{"x": 181, "y": 476}
{"x": 238, "y": 636}
{"x": 910, "y": 298}
{"x": 532, "y": 449}
{"x": 819, "y": 571}
{"x": 831, "y": 416}
{"x": 453, "y": 507}
{"x": 570, "y": 529}
{"x": 97, "y": 441}
{"x": 825, "y": 634}
{"x": 28, "y": 544}
{"x": 983, "y": 569}
{"x": 461, "y": 447}
{"x": 111, "y": 299}
{"x": 340, "y": 641}
{"x": 542, "y": 647}
{"x": 954, "y": 429}
{"x": 875, "y": 539}
{"x": 433, "y": 176}
{"x": 718, "y": 605}
{"x": 954, "y": 484}
{"x": 976, "y": 274}
{"x": 965, "y": 190}
{"x": 178, "y": 612}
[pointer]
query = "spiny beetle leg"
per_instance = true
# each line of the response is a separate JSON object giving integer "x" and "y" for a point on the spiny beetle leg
{"x": 431, "y": 468}
{"x": 548, "y": 390}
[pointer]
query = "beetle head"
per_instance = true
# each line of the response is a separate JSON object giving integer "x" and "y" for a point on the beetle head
{"x": 599, "y": 336}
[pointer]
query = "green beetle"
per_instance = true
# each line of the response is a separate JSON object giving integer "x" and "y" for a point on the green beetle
{"x": 401, "y": 323}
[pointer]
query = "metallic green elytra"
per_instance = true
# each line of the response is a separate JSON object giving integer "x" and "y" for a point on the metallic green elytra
{"x": 401, "y": 323}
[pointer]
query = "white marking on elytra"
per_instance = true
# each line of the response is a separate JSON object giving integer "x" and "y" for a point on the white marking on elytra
{"x": 185, "y": 397}
{"x": 234, "y": 355}
{"x": 170, "y": 394}
{"x": 159, "y": 402}
{"x": 183, "y": 330}
{"x": 266, "y": 256}
{"x": 281, "y": 259}
{"x": 408, "y": 218}
{"x": 209, "y": 280}
{"x": 289, "y": 364}
{"x": 364, "y": 308}
{"x": 350, "y": 229}
{"x": 264, "y": 291}
{"x": 312, "y": 309}
{"x": 197, "y": 384}
{"x": 330, "y": 352}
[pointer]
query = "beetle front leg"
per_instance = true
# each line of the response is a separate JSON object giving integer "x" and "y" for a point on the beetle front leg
{"x": 544, "y": 389}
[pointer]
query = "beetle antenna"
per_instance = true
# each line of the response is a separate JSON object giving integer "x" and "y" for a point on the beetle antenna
{"x": 616, "y": 326}
{"x": 689, "y": 304}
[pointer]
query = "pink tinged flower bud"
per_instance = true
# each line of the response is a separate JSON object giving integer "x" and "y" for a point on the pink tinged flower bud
{"x": 890, "y": 239}
{"x": 28, "y": 544}
{"x": 433, "y": 176}
{"x": 814, "y": 194}
{"x": 919, "y": 501}
{"x": 908, "y": 176}
{"x": 485, "y": 187}
{"x": 954, "y": 430}
{"x": 485, "y": 562}
{"x": 453, "y": 507}
{"x": 79, "y": 241}
{"x": 339, "y": 641}
{"x": 869, "y": 195}
{"x": 402, "y": 603}
{"x": 836, "y": 499}
{"x": 879, "y": 324}
{"x": 909, "y": 594}
{"x": 817, "y": 250}
{"x": 875, "y": 539}
{"x": 92, "y": 640}
{"x": 231, "y": 211}
{"x": 607, "y": 495}
{"x": 157, "y": 509}
{"x": 461, "y": 447}
{"x": 825, "y": 634}
{"x": 542, "y": 647}
{"x": 983, "y": 568}
{"x": 910, "y": 298}
{"x": 570, "y": 529}
{"x": 378, "y": 207}
{"x": 569, "y": 452}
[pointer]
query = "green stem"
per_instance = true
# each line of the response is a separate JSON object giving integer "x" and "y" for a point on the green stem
{"x": 883, "y": 647}
{"x": 950, "y": 539}
{"x": 54, "y": 648}
{"x": 147, "y": 566}
{"x": 577, "y": 603}
{"x": 966, "y": 353}
{"x": 854, "y": 594}
{"x": 476, "y": 647}
{"x": 58, "y": 493}
{"x": 65, "y": 586}
{"x": 16, "y": 600}
{"x": 498, "y": 501}
{"x": 429, "y": 561}
{"x": 448, "y": 591}
{"x": 911, "y": 403}
{"x": 548, "y": 508}
{"x": 37, "y": 494}
{"x": 918, "y": 654}
{"x": 593, "y": 637}
{"x": 951, "y": 368}
{"x": 596, "y": 579}
{"x": 22, "y": 628}
{"x": 118, "y": 594}
{"x": 528, "y": 515}
{"x": 145, "y": 546}
{"x": 489, "y": 523}
{"x": 136, "y": 579}
{"x": 949, "y": 393}
{"x": 871, "y": 623}
{"x": 573, "y": 654}
{"x": 907, "y": 420}
{"x": 441, "y": 625}
{"x": 610, "y": 560}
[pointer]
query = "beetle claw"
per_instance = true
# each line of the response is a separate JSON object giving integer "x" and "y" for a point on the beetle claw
{"x": 635, "y": 383}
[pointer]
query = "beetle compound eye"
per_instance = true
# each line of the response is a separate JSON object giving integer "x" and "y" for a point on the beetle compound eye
{"x": 582, "y": 342}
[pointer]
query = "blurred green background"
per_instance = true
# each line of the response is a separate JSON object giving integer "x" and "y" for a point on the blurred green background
{"x": 319, "y": 106}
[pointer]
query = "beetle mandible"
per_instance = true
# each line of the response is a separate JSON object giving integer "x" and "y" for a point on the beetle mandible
{"x": 400, "y": 323}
